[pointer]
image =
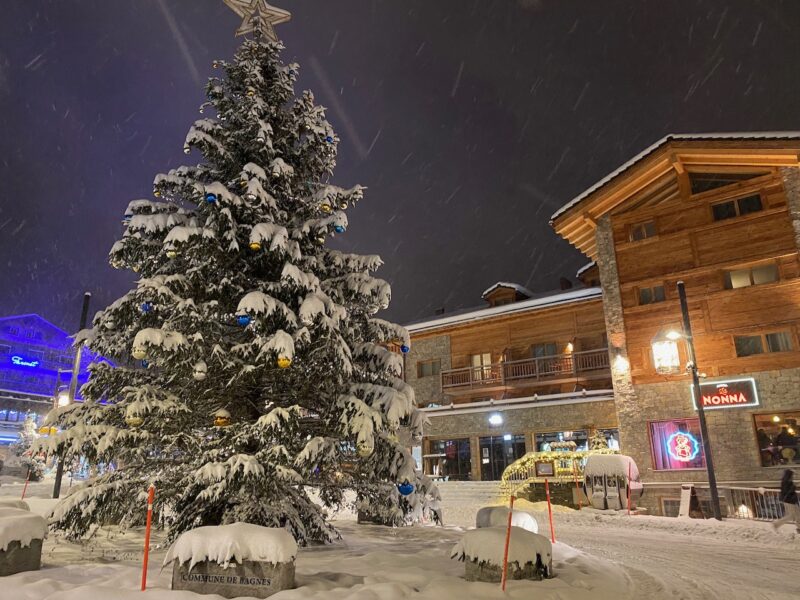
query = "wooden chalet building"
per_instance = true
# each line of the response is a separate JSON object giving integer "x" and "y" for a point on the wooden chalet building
{"x": 720, "y": 212}
{"x": 527, "y": 371}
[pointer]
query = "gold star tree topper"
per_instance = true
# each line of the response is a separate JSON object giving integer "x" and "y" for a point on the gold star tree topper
{"x": 258, "y": 15}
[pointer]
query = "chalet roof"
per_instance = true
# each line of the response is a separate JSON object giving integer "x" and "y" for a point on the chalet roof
{"x": 585, "y": 268}
{"x": 753, "y": 135}
{"x": 538, "y": 302}
{"x": 505, "y": 284}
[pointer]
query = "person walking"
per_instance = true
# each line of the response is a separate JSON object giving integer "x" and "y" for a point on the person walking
{"x": 788, "y": 495}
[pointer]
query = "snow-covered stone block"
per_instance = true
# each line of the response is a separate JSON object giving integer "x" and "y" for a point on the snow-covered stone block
{"x": 233, "y": 560}
{"x": 497, "y": 516}
{"x": 530, "y": 555}
{"x": 21, "y": 535}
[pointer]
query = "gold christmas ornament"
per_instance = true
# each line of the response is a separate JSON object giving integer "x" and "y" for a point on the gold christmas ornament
{"x": 284, "y": 362}
{"x": 258, "y": 13}
{"x": 343, "y": 204}
{"x": 171, "y": 253}
{"x": 255, "y": 246}
{"x": 139, "y": 353}
{"x": 326, "y": 208}
{"x": 45, "y": 430}
{"x": 222, "y": 418}
{"x": 133, "y": 420}
{"x": 364, "y": 450}
{"x": 251, "y": 92}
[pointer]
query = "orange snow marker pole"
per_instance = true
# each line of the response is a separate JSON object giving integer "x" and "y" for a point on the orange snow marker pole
{"x": 27, "y": 479}
{"x": 508, "y": 541}
{"x": 629, "y": 489}
{"x": 151, "y": 494}
{"x": 550, "y": 511}
{"x": 577, "y": 487}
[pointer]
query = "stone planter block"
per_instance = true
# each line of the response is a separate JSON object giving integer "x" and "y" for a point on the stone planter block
{"x": 17, "y": 558}
{"x": 492, "y": 573}
{"x": 250, "y": 578}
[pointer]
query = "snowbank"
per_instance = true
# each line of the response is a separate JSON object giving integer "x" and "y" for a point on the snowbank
{"x": 10, "y": 503}
{"x": 224, "y": 544}
{"x": 610, "y": 464}
{"x": 488, "y": 545}
{"x": 18, "y": 525}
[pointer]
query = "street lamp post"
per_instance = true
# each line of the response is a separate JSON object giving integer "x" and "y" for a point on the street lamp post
{"x": 666, "y": 359}
{"x": 697, "y": 397}
{"x": 73, "y": 388}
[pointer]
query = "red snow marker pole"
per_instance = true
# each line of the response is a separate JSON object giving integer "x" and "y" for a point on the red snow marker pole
{"x": 508, "y": 541}
{"x": 27, "y": 479}
{"x": 629, "y": 489}
{"x": 151, "y": 494}
{"x": 577, "y": 487}
{"x": 550, "y": 511}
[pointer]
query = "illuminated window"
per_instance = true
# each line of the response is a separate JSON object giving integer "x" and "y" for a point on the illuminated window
{"x": 676, "y": 445}
{"x": 749, "y": 345}
{"x": 428, "y": 368}
{"x": 737, "y": 208}
{"x": 652, "y": 294}
{"x": 450, "y": 459}
{"x": 703, "y": 182}
{"x": 777, "y": 435}
{"x": 739, "y": 278}
{"x": 642, "y": 231}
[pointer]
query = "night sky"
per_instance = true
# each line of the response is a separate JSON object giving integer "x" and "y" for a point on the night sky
{"x": 470, "y": 121}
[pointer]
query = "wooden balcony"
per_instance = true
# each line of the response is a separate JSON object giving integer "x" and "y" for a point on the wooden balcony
{"x": 590, "y": 364}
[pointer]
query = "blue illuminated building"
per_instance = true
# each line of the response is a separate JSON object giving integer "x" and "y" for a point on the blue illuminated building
{"x": 35, "y": 363}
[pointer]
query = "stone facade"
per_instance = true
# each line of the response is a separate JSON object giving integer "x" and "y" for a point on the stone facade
{"x": 547, "y": 417}
{"x": 791, "y": 184}
{"x": 624, "y": 391}
{"x": 428, "y": 390}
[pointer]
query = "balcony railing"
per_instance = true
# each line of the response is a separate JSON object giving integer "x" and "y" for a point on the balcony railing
{"x": 576, "y": 364}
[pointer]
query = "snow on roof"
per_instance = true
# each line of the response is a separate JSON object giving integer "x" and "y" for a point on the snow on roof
{"x": 611, "y": 464}
{"x": 487, "y": 545}
{"x": 20, "y": 525}
{"x": 585, "y": 268}
{"x": 751, "y": 135}
{"x": 505, "y": 284}
{"x": 224, "y": 544}
{"x": 541, "y": 302}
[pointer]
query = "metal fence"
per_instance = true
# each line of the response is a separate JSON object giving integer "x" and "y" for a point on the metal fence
{"x": 755, "y": 504}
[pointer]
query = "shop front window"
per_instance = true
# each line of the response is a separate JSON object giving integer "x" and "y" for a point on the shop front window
{"x": 497, "y": 452}
{"x": 449, "y": 459}
{"x": 563, "y": 440}
{"x": 777, "y": 436}
{"x": 676, "y": 445}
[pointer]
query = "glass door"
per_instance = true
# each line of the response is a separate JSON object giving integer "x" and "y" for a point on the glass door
{"x": 497, "y": 452}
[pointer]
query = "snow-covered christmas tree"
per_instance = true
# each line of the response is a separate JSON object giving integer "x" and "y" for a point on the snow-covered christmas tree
{"x": 25, "y": 448}
{"x": 252, "y": 372}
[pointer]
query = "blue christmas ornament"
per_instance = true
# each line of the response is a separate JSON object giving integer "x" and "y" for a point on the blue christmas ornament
{"x": 243, "y": 320}
{"x": 339, "y": 228}
{"x": 146, "y": 307}
{"x": 145, "y": 363}
{"x": 405, "y": 488}
{"x": 211, "y": 198}
{"x": 329, "y": 139}
{"x": 404, "y": 349}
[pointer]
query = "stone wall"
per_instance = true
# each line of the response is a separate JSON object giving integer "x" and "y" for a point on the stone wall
{"x": 428, "y": 390}
{"x": 547, "y": 417}
{"x": 733, "y": 439}
{"x": 624, "y": 392}
{"x": 791, "y": 183}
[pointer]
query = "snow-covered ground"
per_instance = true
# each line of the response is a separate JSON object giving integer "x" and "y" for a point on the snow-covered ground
{"x": 599, "y": 556}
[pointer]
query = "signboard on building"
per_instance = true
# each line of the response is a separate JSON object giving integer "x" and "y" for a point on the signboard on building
{"x": 545, "y": 468}
{"x": 734, "y": 393}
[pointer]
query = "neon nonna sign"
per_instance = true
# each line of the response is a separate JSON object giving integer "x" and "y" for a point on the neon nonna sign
{"x": 683, "y": 446}
{"x": 21, "y": 362}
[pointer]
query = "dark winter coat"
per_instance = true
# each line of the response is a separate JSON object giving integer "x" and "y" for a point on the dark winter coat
{"x": 788, "y": 491}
